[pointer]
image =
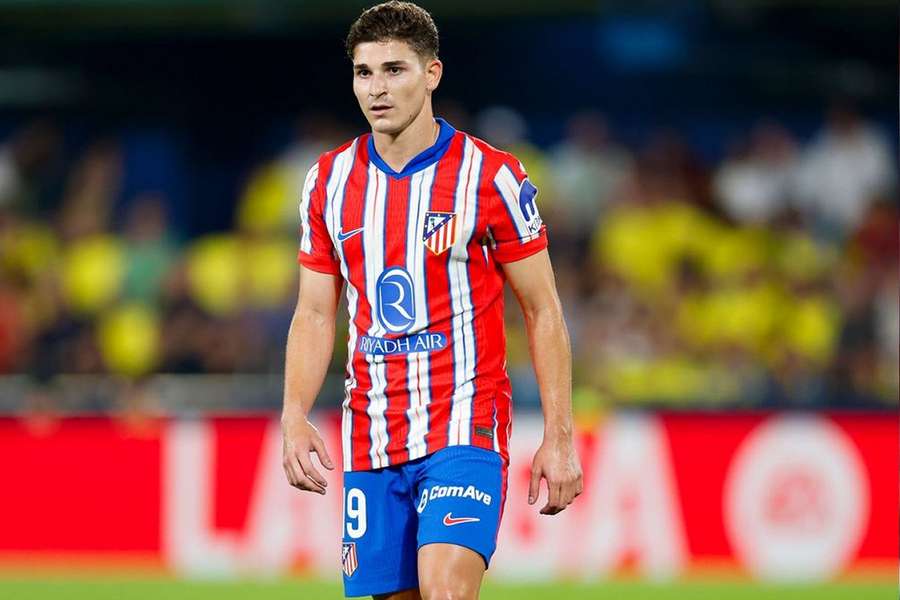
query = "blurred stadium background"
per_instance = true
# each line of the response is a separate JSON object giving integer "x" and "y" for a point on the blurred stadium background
{"x": 719, "y": 182}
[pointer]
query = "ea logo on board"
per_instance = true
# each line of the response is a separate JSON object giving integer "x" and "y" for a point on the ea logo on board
{"x": 796, "y": 499}
{"x": 528, "y": 206}
{"x": 395, "y": 300}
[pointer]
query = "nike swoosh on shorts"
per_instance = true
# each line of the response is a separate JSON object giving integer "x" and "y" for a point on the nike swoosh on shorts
{"x": 450, "y": 520}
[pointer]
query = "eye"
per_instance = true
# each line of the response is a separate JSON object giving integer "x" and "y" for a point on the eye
{"x": 395, "y": 70}
{"x": 362, "y": 73}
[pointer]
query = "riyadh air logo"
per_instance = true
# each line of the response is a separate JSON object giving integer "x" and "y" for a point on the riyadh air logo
{"x": 395, "y": 300}
{"x": 419, "y": 342}
{"x": 528, "y": 206}
{"x": 450, "y": 520}
{"x": 440, "y": 231}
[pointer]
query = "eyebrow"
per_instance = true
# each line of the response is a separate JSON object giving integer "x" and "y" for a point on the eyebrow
{"x": 386, "y": 65}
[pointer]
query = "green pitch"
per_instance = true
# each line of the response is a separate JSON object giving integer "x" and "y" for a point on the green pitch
{"x": 166, "y": 589}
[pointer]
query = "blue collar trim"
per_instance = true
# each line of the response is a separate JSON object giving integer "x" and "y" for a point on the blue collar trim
{"x": 424, "y": 159}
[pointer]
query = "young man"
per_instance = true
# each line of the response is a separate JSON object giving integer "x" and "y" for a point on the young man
{"x": 424, "y": 224}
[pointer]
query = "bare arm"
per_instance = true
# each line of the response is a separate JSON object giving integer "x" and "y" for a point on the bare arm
{"x": 556, "y": 461}
{"x": 309, "y": 346}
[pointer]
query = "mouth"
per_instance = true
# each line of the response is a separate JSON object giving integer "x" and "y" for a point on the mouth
{"x": 379, "y": 109}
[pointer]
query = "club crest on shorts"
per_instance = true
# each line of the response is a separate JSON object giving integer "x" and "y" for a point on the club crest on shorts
{"x": 440, "y": 231}
{"x": 349, "y": 561}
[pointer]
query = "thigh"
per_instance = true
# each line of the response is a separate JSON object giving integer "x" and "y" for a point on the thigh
{"x": 460, "y": 495}
{"x": 404, "y": 595}
{"x": 449, "y": 571}
{"x": 378, "y": 555}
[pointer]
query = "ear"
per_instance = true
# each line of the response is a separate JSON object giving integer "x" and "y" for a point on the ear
{"x": 434, "y": 68}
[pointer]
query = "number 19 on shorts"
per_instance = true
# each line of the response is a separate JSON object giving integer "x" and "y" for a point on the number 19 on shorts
{"x": 355, "y": 508}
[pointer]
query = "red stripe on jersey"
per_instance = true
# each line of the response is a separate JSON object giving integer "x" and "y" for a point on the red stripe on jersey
{"x": 490, "y": 281}
{"x": 489, "y": 347}
{"x": 396, "y": 224}
{"x": 503, "y": 402}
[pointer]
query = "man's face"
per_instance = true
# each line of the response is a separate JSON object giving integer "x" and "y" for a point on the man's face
{"x": 391, "y": 83}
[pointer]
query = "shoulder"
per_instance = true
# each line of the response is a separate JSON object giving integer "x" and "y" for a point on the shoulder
{"x": 327, "y": 158}
{"x": 495, "y": 159}
{"x": 318, "y": 172}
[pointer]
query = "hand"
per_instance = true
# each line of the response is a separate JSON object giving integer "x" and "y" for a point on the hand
{"x": 300, "y": 439}
{"x": 557, "y": 462}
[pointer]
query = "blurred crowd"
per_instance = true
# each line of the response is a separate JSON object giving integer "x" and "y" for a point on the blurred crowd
{"x": 767, "y": 278}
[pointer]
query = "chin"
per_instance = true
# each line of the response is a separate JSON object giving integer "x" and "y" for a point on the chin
{"x": 387, "y": 126}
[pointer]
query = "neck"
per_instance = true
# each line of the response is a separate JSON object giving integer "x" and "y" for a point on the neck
{"x": 397, "y": 149}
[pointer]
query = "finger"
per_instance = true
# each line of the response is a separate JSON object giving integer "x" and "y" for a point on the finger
{"x": 309, "y": 470}
{"x": 552, "y": 507}
{"x": 289, "y": 473}
{"x": 297, "y": 479}
{"x": 534, "y": 486}
{"x": 568, "y": 494}
{"x": 322, "y": 452}
{"x": 291, "y": 468}
{"x": 308, "y": 485}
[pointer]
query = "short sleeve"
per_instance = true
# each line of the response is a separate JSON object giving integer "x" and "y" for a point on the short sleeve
{"x": 516, "y": 228}
{"x": 316, "y": 249}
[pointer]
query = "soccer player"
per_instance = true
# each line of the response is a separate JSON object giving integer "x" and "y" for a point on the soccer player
{"x": 424, "y": 224}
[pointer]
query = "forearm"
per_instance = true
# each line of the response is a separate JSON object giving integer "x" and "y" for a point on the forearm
{"x": 309, "y": 346}
{"x": 548, "y": 340}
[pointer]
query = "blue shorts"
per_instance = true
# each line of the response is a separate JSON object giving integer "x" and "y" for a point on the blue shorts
{"x": 454, "y": 496}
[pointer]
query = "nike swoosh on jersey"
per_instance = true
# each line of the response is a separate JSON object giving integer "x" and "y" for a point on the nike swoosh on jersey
{"x": 450, "y": 520}
{"x": 343, "y": 237}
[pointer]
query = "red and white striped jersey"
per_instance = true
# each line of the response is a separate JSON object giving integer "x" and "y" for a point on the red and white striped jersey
{"x": 419, "y": 251}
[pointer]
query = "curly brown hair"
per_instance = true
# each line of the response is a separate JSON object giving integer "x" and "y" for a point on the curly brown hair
{"x": 395, "y": 20}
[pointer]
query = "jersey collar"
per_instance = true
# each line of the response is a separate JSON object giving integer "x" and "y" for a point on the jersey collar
{"x": 424, "y": 159}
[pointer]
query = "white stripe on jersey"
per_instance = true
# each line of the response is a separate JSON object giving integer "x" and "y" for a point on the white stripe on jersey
{"x": 350, "y": 383}
{"x": 305, "y": 201}
{"x": 337, "y": 181}
{"x": 376, "y": 198}
{"x": 336, "y": 217}
{"x": 418, "y": 366}
{"x": 496, "y": 437}
{"x": 465, "y": 207}
{"x": 509, "y": 187}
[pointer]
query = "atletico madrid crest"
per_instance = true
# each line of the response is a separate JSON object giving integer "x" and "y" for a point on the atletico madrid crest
{"x": 349, "y": 561}
{"x": 440, "y": 231}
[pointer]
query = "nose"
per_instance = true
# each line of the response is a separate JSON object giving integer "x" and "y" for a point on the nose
{"x": 378, "y": 85}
